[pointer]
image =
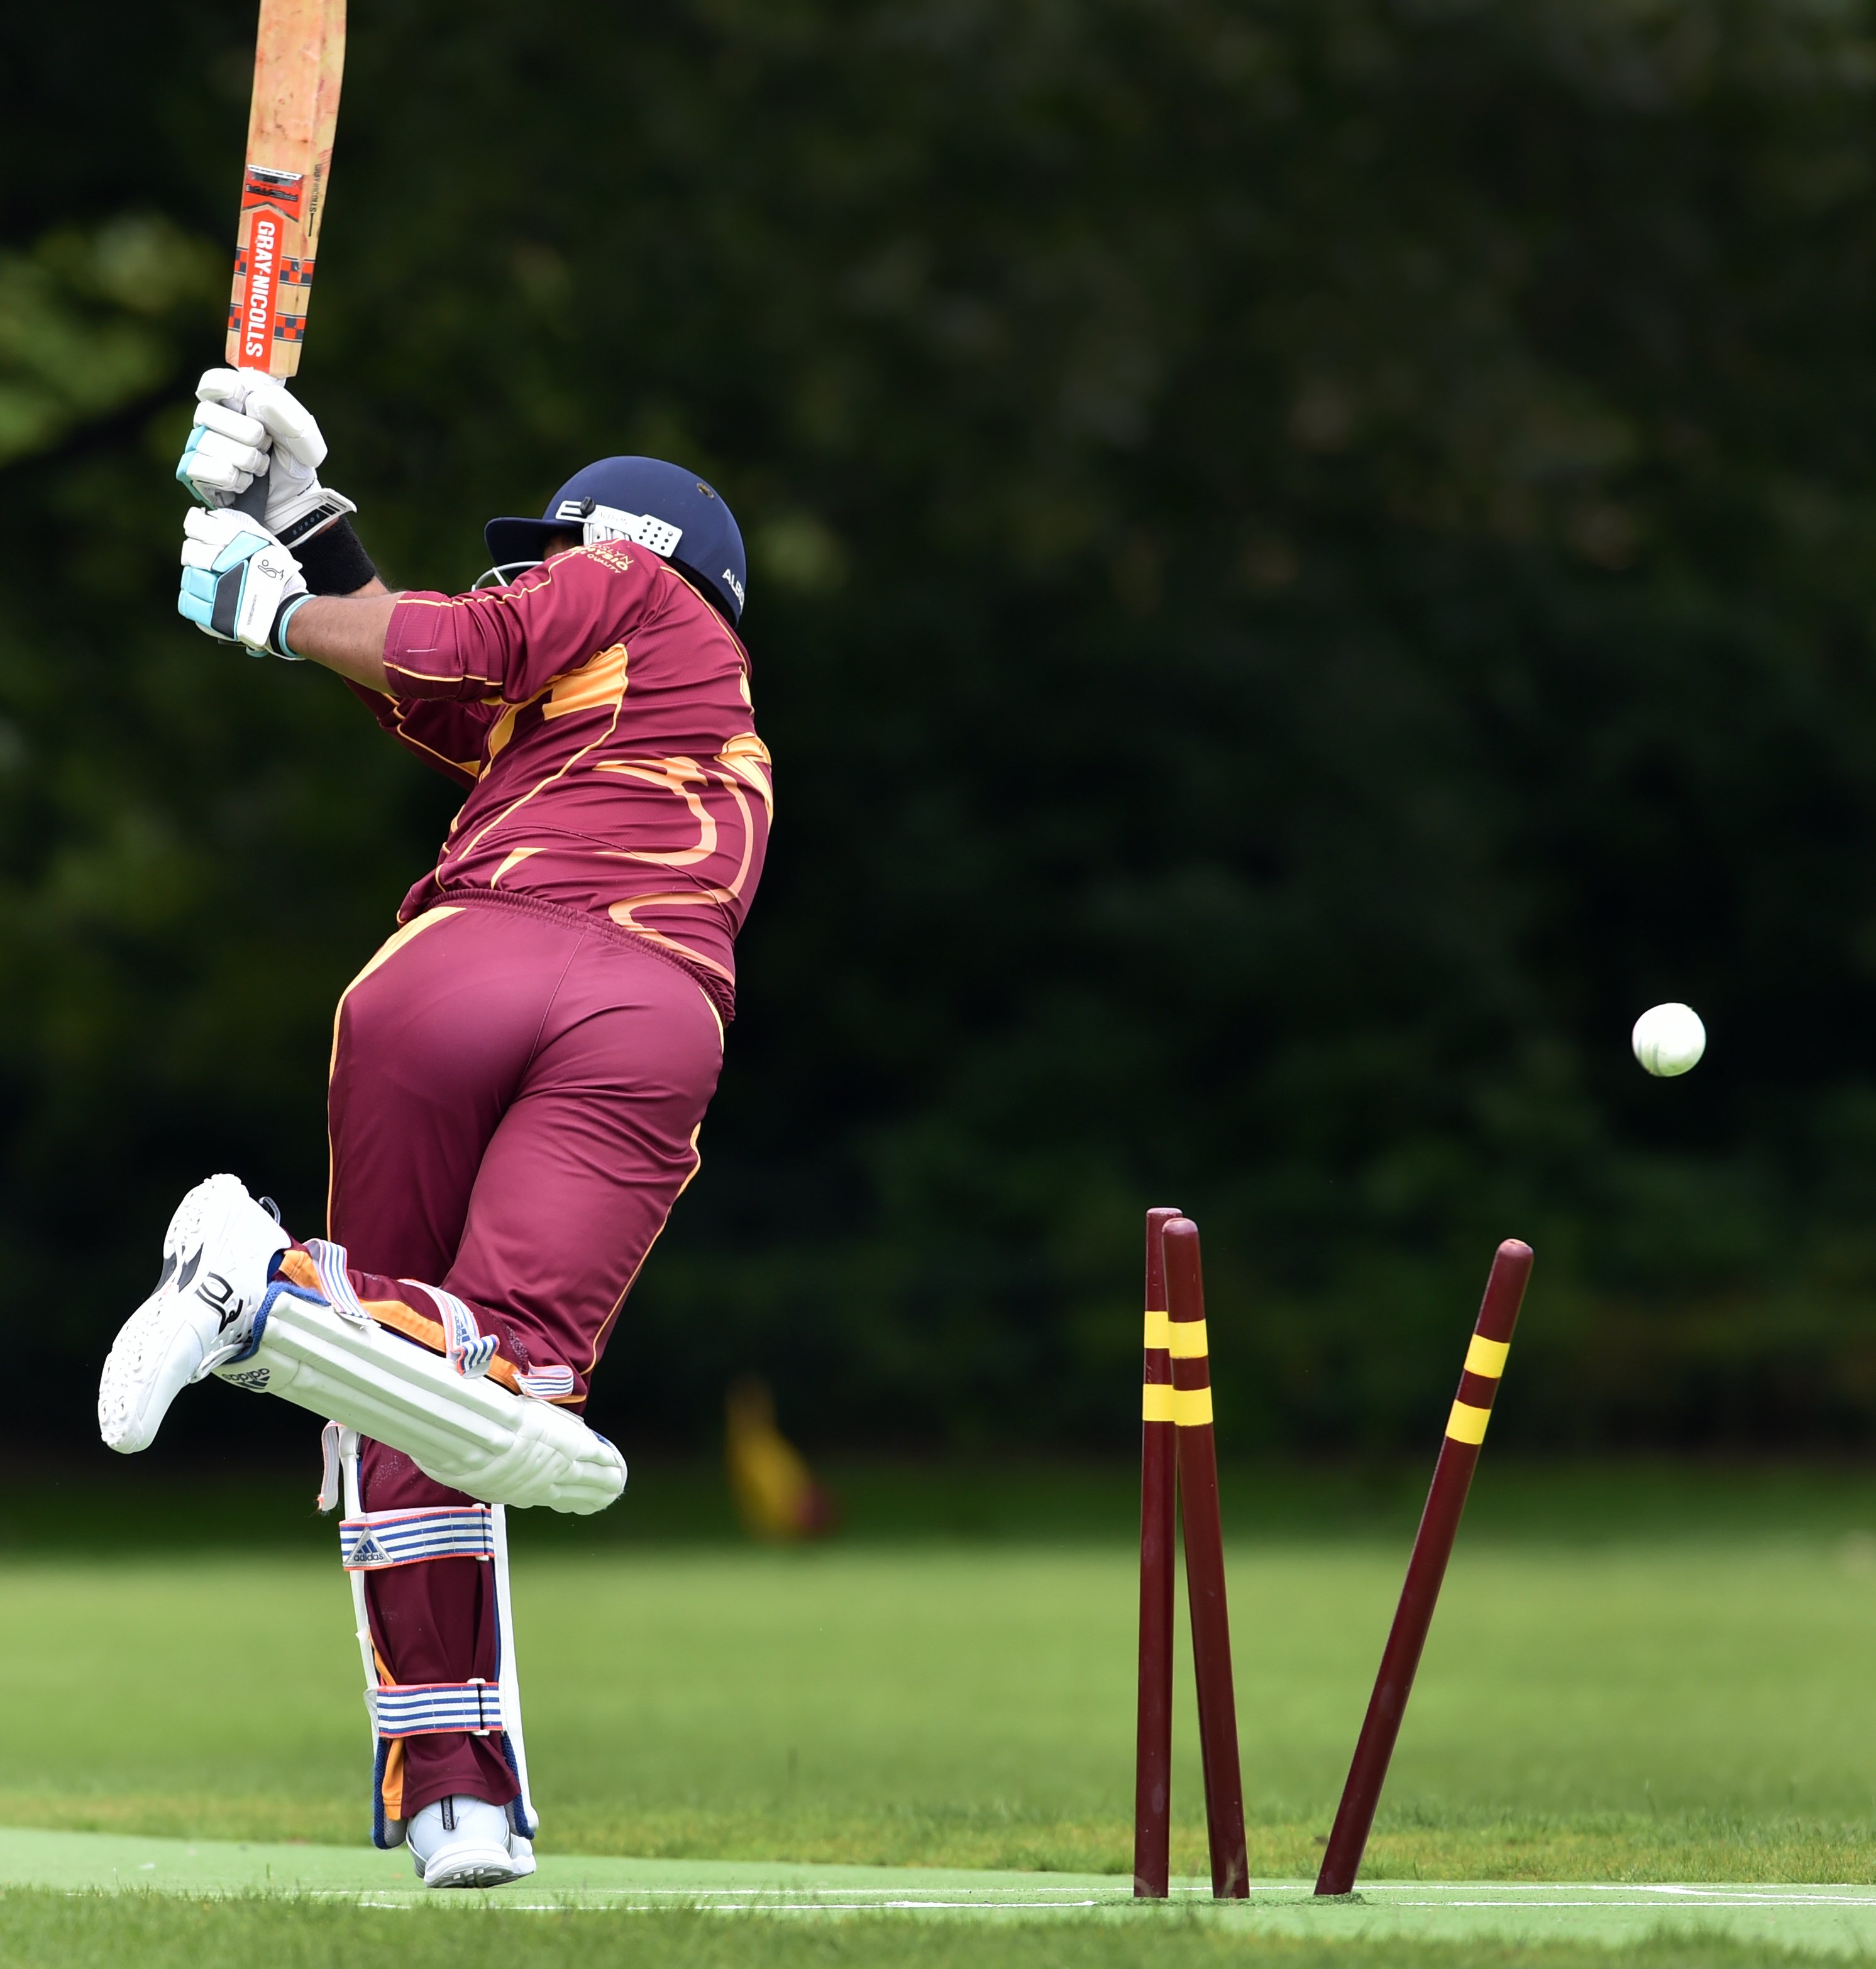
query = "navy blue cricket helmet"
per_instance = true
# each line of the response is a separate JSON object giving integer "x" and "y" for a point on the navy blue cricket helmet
{"x": 667, "y": 511}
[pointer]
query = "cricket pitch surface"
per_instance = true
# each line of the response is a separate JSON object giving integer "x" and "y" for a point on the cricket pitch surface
{"x": 1823, "y": 1920}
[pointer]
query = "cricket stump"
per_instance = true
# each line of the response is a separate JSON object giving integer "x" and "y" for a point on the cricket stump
{"x": 1152, "y": 1766}
{"x": 1204, "y": 1559}
{"x": 1427, "y": 1567}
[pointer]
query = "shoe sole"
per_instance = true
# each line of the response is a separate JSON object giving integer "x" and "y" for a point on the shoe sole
{"x": 142, "y": 1356}
{"x": 474, "y": 1866}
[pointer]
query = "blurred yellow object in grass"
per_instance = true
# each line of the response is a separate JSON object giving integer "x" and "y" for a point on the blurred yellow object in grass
{"x": 777, "y": 1497}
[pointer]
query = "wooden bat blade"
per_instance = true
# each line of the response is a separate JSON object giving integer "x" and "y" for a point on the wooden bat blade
{"x": 299, "y": 59}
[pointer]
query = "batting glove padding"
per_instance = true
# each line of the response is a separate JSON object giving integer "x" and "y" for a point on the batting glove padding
{"x": 246, "y": 424}
{"x": 239, "y": 583}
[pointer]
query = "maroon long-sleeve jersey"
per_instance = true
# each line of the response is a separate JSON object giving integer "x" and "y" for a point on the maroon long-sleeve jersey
{"x": 598, "y": 710}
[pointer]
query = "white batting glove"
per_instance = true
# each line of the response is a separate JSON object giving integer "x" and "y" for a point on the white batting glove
{"x": 247, "y": 423}
{"x": 240, "y": 584}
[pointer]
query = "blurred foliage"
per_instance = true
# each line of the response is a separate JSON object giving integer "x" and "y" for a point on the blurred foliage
{"x": 79, "y": 337}
{"x": 1312, "y": 558}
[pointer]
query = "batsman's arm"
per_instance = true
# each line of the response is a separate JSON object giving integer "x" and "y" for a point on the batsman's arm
{"x": 345, "y": 633}
{"x": 507, "y": 643}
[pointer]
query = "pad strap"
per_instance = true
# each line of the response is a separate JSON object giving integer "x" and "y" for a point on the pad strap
{"x": 331, "y": 1467}
{"x": 469, "y": 1351}
{"x": 335, "y": 1281}
{"x": 320, "y": 1267}
{"x": 547, "y": 1383}
{"x": 376, "y": 1540}
{"x": 425, "y": 1708}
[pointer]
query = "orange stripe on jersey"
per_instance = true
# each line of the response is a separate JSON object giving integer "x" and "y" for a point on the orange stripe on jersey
{"x": 560, "y": 771}
{"x": 675, "y": 776}
{"x": 748, "y": 756}
{"x": 594, "y": 684}
{"x": 514, "y": 860}
{"x": 600, "y": 681}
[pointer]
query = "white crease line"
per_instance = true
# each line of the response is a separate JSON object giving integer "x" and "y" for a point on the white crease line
{"x": 780, "y": 1907}
{"x": 784, "y": 1888}
{"x": 1714, "y": 1900}
{"x": 1768, "y": 1891}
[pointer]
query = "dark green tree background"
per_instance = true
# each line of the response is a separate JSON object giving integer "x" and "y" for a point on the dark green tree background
{"x": 1311, "y": 559}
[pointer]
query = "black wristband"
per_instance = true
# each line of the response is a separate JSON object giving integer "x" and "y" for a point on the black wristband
{"x": 334, "y": 560}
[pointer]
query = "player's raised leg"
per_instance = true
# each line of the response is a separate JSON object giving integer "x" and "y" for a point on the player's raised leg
{"x": 573, "y": 1102}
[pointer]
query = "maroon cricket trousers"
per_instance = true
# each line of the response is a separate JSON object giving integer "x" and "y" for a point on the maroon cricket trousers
{"x": 517, "y": 1090}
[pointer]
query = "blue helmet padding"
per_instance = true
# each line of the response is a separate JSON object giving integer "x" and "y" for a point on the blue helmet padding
{"x": 709, "y": 549}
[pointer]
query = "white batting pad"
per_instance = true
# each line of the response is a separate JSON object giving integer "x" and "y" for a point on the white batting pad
{"x": 464, "y": 1431}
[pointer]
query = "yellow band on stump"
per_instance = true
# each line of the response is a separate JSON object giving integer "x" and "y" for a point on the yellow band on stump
{"x": 1191, "y": 1406}
{"x": 1186, "y": 1339}
{"x": 1486, "y": 1357}
{"x": 1467, "y": 1424}
{"x": 1188, "y": 1407}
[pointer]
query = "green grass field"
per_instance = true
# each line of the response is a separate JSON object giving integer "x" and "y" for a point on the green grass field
{"x": 1635, "y": 1676}
{"x": 42, "y": 1931}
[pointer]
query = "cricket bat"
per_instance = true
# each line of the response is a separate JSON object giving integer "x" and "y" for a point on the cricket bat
{"x": 299, "y": 60}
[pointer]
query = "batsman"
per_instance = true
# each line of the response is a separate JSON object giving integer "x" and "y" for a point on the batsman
{"x": 518, "y": 1075}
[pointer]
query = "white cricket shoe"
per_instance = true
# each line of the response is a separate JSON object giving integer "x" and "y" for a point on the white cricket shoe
{"x": 217, "y": 1254}
{"x": 466, "y": 1842}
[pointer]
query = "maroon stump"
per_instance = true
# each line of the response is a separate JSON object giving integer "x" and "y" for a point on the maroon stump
{"x": 1204, "y": 1559}
{"x": 1153, "y": 1766}
{"x": 1427, "y": 1567}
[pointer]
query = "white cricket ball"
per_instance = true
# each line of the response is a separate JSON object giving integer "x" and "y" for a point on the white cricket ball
{"x": 1669, "y": 1039}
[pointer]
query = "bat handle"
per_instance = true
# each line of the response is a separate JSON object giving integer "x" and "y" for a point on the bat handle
{"x": 253, "y": 502}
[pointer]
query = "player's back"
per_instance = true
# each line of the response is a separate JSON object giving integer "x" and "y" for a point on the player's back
{"x": 618, "y": 769}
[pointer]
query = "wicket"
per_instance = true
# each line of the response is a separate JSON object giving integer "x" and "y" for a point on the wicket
{"x": 1177, "y": 1450}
